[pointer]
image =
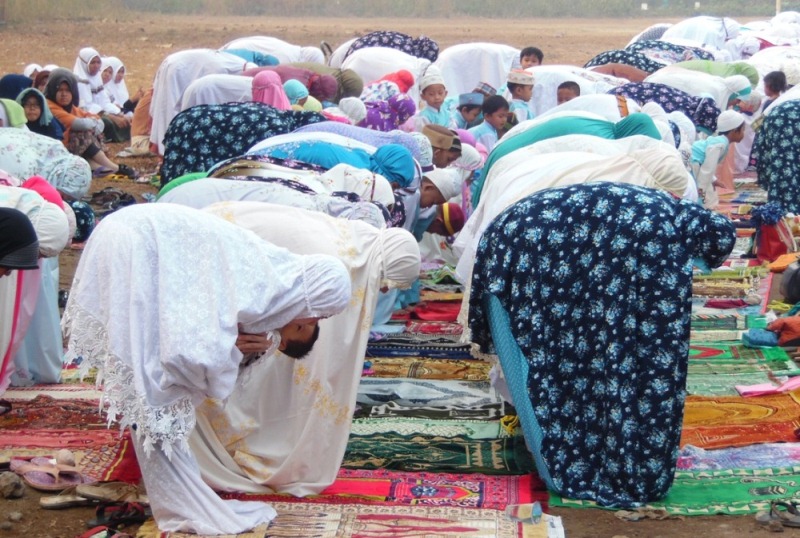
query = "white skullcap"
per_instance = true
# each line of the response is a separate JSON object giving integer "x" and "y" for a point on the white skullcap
{"x": 431, "y": 76}
{"x": 327, "y": 285}
{"x": 353, "y": 108}
{"x": 400, "y": 257}
{"x": 737, "y": 84}
{"x": 30, "y": 68}
{"x": 448, "y": 181}
{"x": 728, "y": 121}
{"x": 425, "y": 150}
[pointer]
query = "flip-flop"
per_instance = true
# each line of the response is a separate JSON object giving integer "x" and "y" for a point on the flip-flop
{"x": 68, "y": 498}
{"x": 113, "y": 492}
{"x": 101, "y": 531}
{"x": 102, "y": 172}
{"x": 788, "y": 518}
{"x": 115, "y": 516}
{"x": 42, "y": 474}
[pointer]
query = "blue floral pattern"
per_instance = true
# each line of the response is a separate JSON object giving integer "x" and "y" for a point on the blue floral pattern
{"x": 201, "y": 136}
{"x": 701, "y": 110}
{"x": 596, "y": 280}
{"x": 421, "y": 47}
{"x": 634, "y": 59}
{"x": 777, "y": 155}
{"x": 668, "y": 53}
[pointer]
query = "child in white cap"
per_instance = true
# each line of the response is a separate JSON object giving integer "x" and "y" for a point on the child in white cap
{"x": 709, "y": 153}
{"x": 433, "y": 94}
{"x": 520, "y": 86}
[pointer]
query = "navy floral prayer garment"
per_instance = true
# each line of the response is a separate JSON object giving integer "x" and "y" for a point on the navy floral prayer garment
{"x": 667, "y": 52}
{"x": 777, "y": 155}
{"x": 634, "y": 59}
{"x": 701, "y": 110}
{"x": 201, "y": 136}
{"x": 595, "y": 281}
{"x": 421, "y": 47}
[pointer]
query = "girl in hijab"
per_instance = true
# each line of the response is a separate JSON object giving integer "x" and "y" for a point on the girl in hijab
{"x": 597, "y": 369}
{"x": 161, "y": 359}
{"x": 12, "y": 84}
{"x": 82, "y": 130}
{"x": 268, "y": 89}
{"x": 321, "y": 87}
{"x": 93, "y": 97}
{"x": 11, "y": 114}
{"x": 241, "y": 449}
{"x": 39, "y": 118}
{"x": 296, "y": 92}
{"x": 118, "y": 90}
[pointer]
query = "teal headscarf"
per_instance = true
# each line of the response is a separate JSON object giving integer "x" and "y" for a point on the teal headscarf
{"x": 295, "y": 90}
{"x": 47, "y": 116}
{"x": 395, "y": 163}
{"x": 634, "y": 124}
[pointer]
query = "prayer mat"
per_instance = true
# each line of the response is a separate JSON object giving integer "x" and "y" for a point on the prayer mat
{"x": 418, "y": 392}
{"x": 423, "y": 368}
{"x": 719, "y": 384}
{"x": 470, "y": 429}
{"x": 427, "y": 295}
{"x": 444, "y": 349}
{"x": 437, "y": 310}
{"x": 384, "y": 487}
{"x": 81, "y": 391}
{"x": 719, "y": 335}
{"x": 149, "y": 529}
{"x": 433, "y": 327}
{"x": 452, "y": 411}
{"x": 762, "y": 456}
{"x": 731, "y": 492}
{"x": 714, "y": 358}
{"x": 46, "y": 412}
{"x": 508, "y": 455}
{"x": 718, "y": 322}
{"x": 730, "y": 421}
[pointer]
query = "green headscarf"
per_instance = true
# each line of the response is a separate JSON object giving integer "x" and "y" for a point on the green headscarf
{"x": 14, "y": 113}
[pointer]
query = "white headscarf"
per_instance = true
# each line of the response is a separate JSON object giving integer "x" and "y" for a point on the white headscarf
{"x": 158, "y": 360}
{"x": 266, "y": 437}
{"x": 90, "y": 87}
{"x": 118, "y": 91}
{"x": 30, "y": 68}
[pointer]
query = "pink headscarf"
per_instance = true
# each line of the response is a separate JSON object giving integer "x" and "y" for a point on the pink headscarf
{"x": 268, "y": 89}
{"x": 40, "y": 185}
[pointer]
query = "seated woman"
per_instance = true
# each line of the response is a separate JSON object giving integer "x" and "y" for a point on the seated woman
{"x": 82, "y": 131}
{"x": 93, "y": 97}
{"x": 584, "y": 293}
{"x": 174, "y": 349}
{"x": 264, "y": 436}
{"x": 11, "y": 84}
{"x": 204, "y": 135}
{"x": 40, "y": 119}
{"x": 117, "y": 89}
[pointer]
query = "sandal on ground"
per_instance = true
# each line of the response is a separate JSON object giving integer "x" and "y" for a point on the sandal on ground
{"x": 102, "y": 531}
{"x": 102, "y": 172}
{"x": 5, "y": 407}
{"x": 788, "y": 518}
{"x": 125, "y": 170}
{"x": 69, "y": 498}
{"x": 42, "y": 474}
{"x": 113, "y": 492}
{"x": 116, "y": 516}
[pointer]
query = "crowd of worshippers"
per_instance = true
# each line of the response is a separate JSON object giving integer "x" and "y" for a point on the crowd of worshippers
{"x": 319, "y": 182}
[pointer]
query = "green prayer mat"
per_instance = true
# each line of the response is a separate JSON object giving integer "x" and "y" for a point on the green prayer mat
{"x": 723, "y": 384}
{"x": 469, "y": 429}
{"x": 730, "y": 491}
{"x": 716, "y": 358}
{"x": 706, "y": 322}
{"x": 438, "y": 454}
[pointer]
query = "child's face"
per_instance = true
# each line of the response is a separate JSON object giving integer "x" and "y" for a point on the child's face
{"x": 524, "y": 93}
{"x": 107, "y": 74}
{"x": 497, "y": 119}
{"x": 471, "y": 114}
{"x": 565, "y": 94}
{"x": 529, "y": 61}
{"x": 434, "y": 95}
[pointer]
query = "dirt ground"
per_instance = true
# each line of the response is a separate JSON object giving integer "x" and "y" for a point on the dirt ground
{"x": 143, "y": 40}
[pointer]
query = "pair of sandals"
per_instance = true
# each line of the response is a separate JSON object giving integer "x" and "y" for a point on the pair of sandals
{"x": 780, "y": 514}
{"x": 123, "y": 171}
{"x": 111, "y": 199}
{"x": 45, "y": 474}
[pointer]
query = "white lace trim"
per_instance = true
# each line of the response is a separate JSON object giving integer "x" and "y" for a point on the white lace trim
{"x": 167, "y": 426}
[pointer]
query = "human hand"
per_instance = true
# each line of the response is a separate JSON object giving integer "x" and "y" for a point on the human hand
{"x": 119, "y": 120}
{"x": 253, "y": 343}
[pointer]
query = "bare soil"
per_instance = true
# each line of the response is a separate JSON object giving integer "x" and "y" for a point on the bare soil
{"x": 143, "y": 40}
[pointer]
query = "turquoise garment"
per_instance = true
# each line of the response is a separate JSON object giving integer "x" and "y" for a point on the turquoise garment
{"x": 485, "y": 134}
{"x": 521, "y": 109}
{"x": 258, "y": 58}
{"x": 436, "y": 117}
{"x": 392, "y": 161}
{"x": 699, "y": 147}
{"x": 633, "y": 124}
{"x": 295, "y": 90}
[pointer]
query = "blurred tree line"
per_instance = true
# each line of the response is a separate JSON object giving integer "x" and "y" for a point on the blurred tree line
{"x": 474, "y": 8}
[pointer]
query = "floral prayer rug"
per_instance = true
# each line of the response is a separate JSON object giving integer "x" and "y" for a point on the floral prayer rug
{"x": 508, "y": 455}
{"x": 384, "y": 487}
{"x": 761, "y": 456}
{"x": 730, "y": 491}
{"x": 730, "y": 421}
{"x": 425, "y": 368}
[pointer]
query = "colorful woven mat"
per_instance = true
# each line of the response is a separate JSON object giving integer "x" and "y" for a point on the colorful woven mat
{"x": 732, "y": 492}
{"x": 729, "y": 421}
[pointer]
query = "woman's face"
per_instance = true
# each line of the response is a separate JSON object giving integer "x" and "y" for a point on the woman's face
{"x": 33, "y": 111}
{"x": 120, "y": 75}
{"x": 64, "y": 95}
{"x": 107, "y": 74}
{"x": 94, "y": 66}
